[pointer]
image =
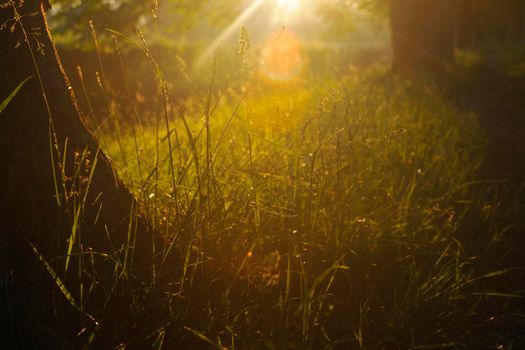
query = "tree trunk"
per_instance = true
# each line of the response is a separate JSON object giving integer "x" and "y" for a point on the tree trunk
{"x": 517, "y": 22}
{"x": 49, "y": 199}
{"x": 465, "y": 35}
{"x": 422, "y": 34}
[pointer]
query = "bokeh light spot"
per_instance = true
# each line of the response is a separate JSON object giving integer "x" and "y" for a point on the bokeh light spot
{"x": 282, "y": 56}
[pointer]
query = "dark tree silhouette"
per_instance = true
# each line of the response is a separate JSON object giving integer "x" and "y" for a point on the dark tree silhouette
{"x": 465, "y": 27}
{"x": 422, "y": 33}
{"x": 517, "y": 23}
{"x": 42, "y": 140}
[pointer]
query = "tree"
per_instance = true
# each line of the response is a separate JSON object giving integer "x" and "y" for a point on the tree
{"x": 465, "y": 24}
{"x": 422, "y": 33}
{"x": 518, "y": 20}
{"x": 166, "y": 17}
{"x": 60, "y": 200}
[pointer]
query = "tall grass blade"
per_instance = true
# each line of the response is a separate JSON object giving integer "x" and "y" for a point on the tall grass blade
{"x": 203, "y": 337}
{"x": 61, "y": 286}
{"x": 8, "y": 99}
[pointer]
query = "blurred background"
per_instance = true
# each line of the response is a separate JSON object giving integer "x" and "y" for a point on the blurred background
{"x": 330, "y": 37}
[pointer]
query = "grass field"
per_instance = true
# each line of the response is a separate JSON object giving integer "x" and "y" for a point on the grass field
{"x": 342, "y": 214}
{"x": 282, "y": 198}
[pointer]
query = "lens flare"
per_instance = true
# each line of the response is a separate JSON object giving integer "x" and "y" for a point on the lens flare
{"x": 282, "y": 53}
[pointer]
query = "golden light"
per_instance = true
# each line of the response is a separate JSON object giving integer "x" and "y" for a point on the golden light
{"x": 283, "y": 59}
{"x": 228, "y": 31}
{"x": 288, "y": 5}
{"x": 281, "y": 54}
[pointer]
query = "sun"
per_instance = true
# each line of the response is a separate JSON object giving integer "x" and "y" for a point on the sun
{"x": 288, "y": 5}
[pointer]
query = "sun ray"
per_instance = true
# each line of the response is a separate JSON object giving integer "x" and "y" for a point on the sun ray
{"x": 234, "y": 26}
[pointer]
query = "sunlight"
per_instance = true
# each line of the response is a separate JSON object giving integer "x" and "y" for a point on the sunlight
{"x": 232, "y": 28}
{"x": 282, "y": 53}
{"x": 288, "y": 5}
{"x": 262, "y": 174}
{"x": 283, "y": 8}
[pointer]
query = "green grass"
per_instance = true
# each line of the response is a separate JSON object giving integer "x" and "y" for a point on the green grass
{"x": 343, "y": 214}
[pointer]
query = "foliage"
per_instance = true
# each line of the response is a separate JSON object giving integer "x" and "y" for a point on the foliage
{"x": 344, "y": 17}
{"x": 171, "y": 17}
{"x": 72, "y": 17}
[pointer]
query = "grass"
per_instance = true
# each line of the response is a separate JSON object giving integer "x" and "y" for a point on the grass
{"x": 309, "y": 215}
{"x": 339, "y": 213}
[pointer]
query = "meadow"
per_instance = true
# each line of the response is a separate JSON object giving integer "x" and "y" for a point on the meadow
{"x": 346, "y": 212}
{"x": 280, "y": 193}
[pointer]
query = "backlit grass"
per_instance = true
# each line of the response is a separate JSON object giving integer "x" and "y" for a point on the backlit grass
{"x": 347, "y": 214}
